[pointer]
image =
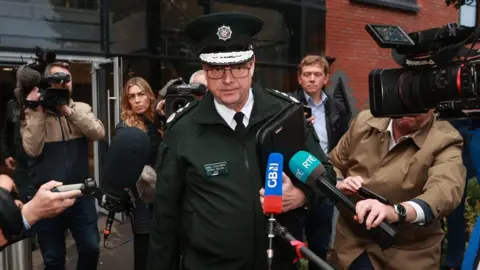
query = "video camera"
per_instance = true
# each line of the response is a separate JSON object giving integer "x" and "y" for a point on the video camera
{"x": 179, "y": 95}
{"x": 438, "y": 72}
{"x": 49, "y": 96}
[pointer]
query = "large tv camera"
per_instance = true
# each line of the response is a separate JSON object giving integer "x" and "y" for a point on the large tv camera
{"x": 438, "y": 72}
{"x": 33, "y": 75}
{"x": 179, "y": 95}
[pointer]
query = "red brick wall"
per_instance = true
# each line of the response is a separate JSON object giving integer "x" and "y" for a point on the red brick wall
{"x": 357, "y": 53}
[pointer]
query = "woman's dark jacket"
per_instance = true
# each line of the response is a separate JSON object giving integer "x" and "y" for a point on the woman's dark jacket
{"x": 142, "y": 214}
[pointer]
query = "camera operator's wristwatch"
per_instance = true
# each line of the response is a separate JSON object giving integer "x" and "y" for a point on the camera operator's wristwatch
{"x": 400, "y": 211}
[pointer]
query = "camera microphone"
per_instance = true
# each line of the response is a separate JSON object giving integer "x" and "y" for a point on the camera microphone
{"x": 28, "y": 78}
{"x": 272, "y": 203}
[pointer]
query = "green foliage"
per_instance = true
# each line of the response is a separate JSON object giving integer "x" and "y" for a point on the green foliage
{"x": 472, "y": 205}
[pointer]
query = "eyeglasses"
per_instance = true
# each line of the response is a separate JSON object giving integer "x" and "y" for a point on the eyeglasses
{"x": 236, "y": 71}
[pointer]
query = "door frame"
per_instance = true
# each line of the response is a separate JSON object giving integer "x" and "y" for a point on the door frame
{"x": 117, "y": 77}
{"x": 112, "y": 95}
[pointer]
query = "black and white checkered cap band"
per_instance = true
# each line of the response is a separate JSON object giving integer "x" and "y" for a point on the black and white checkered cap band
{"x": 227, "y": 58}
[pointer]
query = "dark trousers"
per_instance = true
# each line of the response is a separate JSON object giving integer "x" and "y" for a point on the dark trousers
{"x": 140, "y": 250}
{"x": 81, "y": 220}
{"x": 456, "y": 235}
{"x": 318, "y": 229}
{"x": 362, "y": 262}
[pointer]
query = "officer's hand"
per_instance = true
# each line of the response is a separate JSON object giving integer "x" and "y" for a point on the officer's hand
{"x": 10, "y": 162}
{"x": 350, "y": 185}
{"x": 160, "y": 107}
{"x": 46, "y": 203}
{"x": 293, "y": 197}
{"x": 262, "y": 196}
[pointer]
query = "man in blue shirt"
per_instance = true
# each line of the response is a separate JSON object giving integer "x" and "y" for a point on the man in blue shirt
{"x": 330, "y": 121}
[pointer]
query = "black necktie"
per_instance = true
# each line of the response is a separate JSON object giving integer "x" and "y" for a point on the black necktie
{"x": 240, "y": 128}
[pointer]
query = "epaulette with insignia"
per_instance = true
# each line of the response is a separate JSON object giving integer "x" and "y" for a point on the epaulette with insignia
{"x": 282, "y": 95}
{"x": 173, "y": 118}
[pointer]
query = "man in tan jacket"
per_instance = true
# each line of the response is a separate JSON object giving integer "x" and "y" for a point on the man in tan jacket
{"x": 56, "y": 139}
{"x": 416, "y": 163}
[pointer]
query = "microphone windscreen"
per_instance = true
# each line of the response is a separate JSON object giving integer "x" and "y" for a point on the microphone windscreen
{"x": 124, "y": 161}
{"x": 305, "y": 167}
{"x": 272, "y": 203}
{"x": 28, "y": 78}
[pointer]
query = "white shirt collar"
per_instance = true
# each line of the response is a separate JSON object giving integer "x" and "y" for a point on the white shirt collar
{"x": 392, "y": 139}
{"x": 227, "y": 113}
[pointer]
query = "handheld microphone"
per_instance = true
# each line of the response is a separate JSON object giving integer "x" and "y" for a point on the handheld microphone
{"x": 309, "y": 170}
{"x": 87, "y": 187}
{"x": 272, "y": 203}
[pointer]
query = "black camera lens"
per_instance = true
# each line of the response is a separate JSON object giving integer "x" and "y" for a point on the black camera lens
{"x": 178, "y": 103}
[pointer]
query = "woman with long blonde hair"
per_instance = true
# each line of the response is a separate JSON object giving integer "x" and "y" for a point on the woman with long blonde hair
{"x": 138, "y": 103}
{"x": 138, "y": 108}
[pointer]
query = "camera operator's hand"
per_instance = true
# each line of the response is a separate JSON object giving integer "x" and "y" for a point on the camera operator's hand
{"x": 46, "y": 203}
{"x": 34, "y": 95}
{"x": 160, "y": 107}
{"x": 350, "y": 185}
{"x": 65, "y": 110}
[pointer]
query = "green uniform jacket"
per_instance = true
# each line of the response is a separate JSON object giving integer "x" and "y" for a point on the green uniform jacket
{"x": 215, "y": 222}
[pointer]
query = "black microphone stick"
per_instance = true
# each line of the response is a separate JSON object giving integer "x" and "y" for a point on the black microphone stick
{"x": 271, "y": 234}
{"x": 300, "y": 247}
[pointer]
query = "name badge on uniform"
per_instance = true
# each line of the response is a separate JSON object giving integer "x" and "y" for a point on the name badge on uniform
{"x": 214, "y": 169}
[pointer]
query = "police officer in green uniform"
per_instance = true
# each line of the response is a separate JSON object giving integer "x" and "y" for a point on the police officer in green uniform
{"x": 209, "y": 199}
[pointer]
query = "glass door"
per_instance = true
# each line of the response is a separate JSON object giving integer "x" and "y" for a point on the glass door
{"x": 106, "y": 92}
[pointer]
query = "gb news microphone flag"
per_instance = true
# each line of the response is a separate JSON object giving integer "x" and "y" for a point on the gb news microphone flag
{"x": 273, "y": 185}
